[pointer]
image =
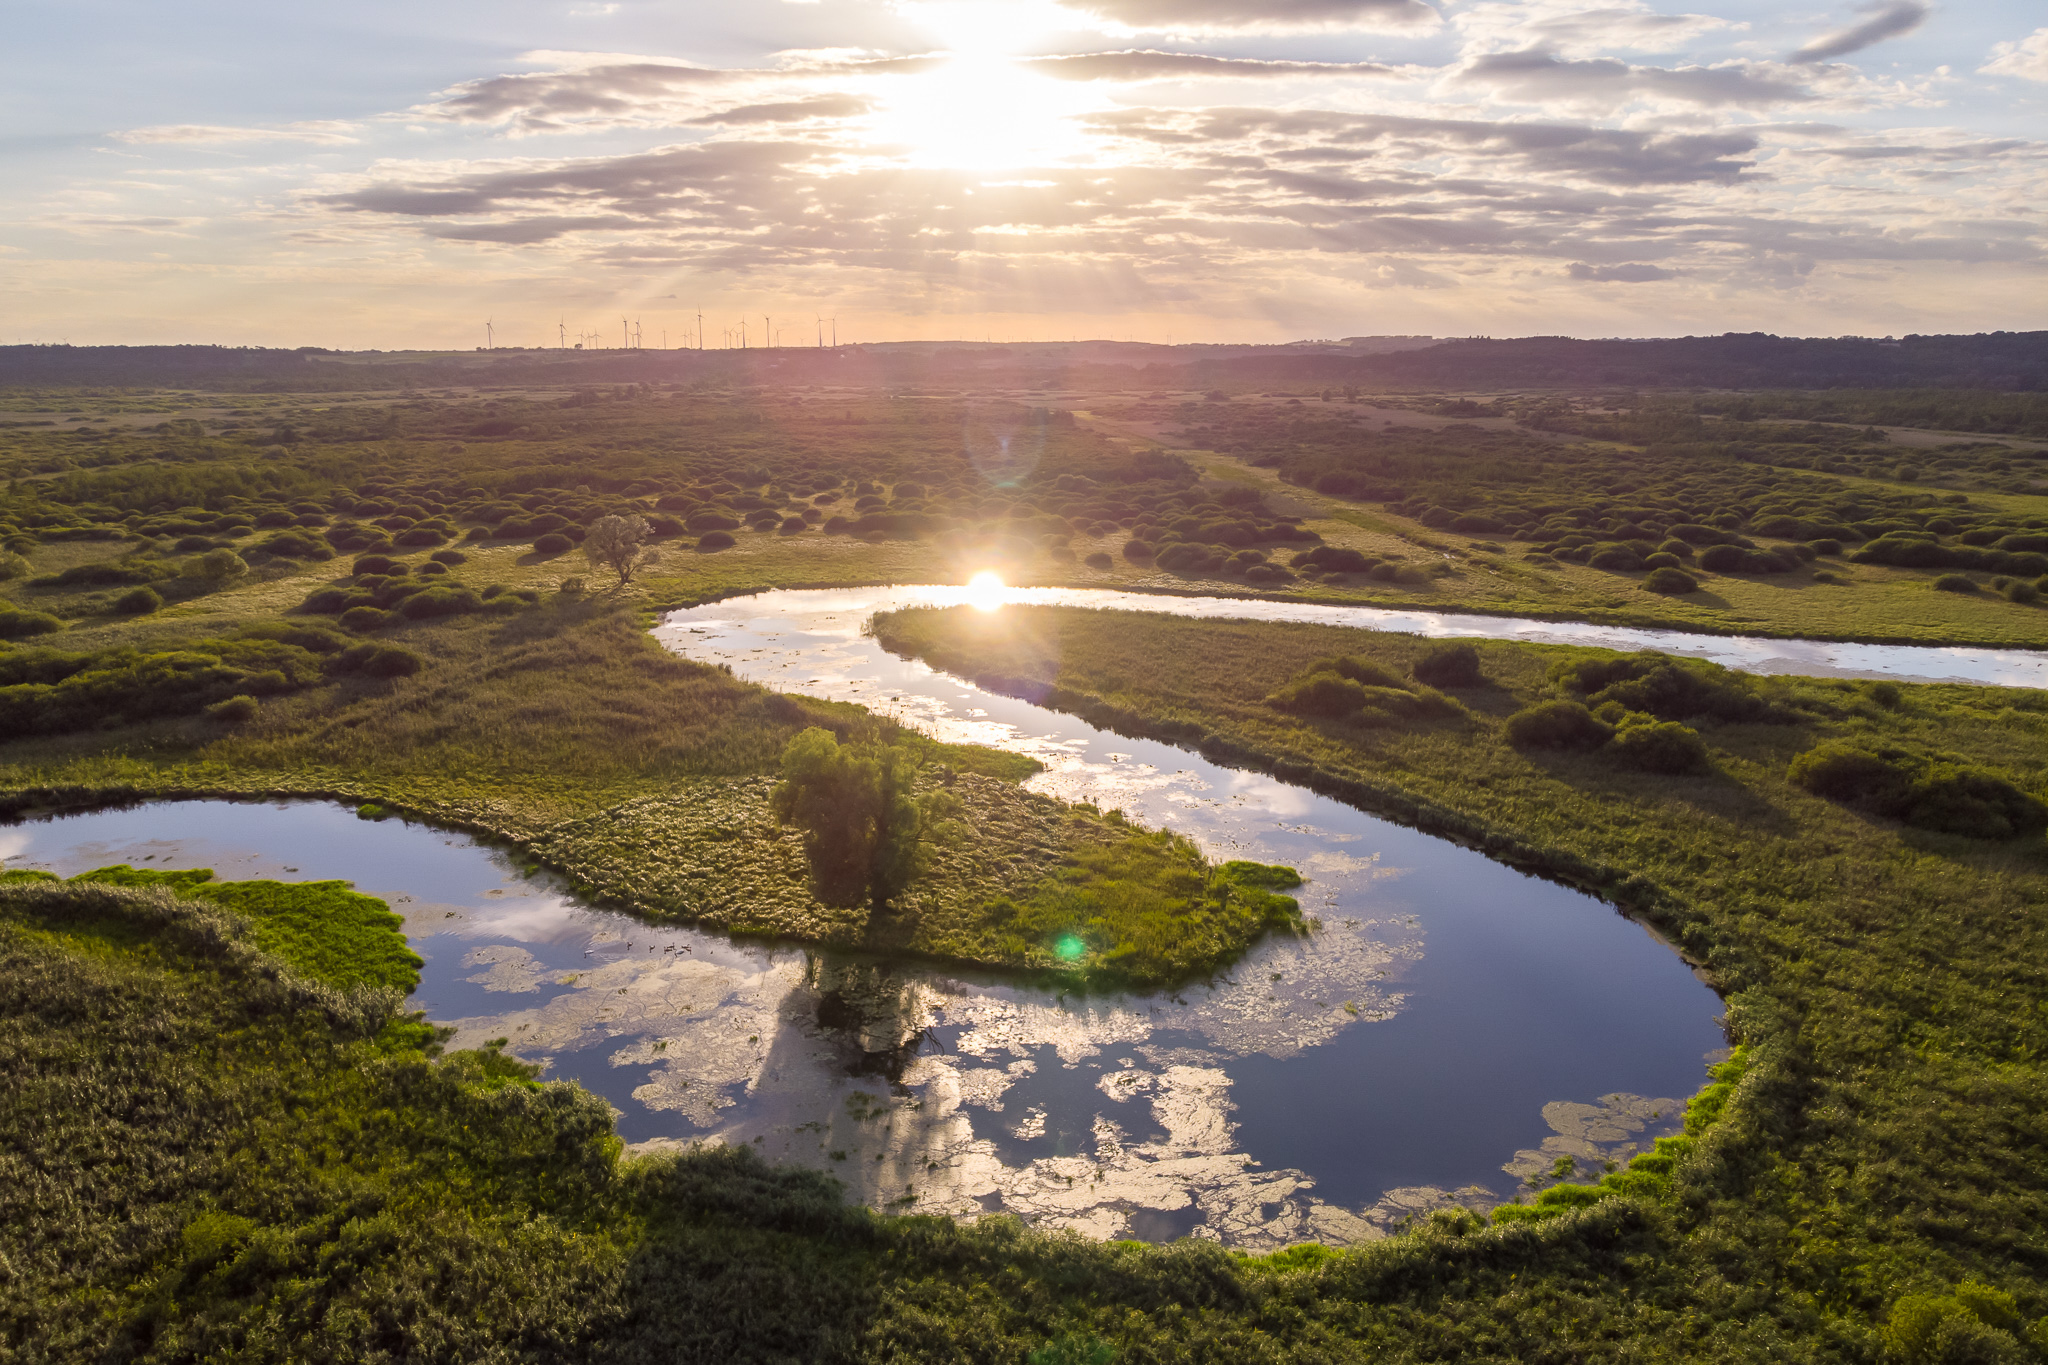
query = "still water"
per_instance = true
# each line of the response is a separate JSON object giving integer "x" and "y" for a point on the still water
{"x": 1450, "y": 1027}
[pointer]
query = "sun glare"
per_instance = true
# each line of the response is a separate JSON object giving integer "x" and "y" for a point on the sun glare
{"x": 985, "y": 591}
{"x": 979, "y": 109}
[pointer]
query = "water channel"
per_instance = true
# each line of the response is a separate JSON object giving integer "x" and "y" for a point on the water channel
{"x": 1450, "y": 1029}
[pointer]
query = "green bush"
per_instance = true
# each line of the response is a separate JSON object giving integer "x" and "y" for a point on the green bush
{"x": 1954, "y": 582}
{"x": 378, "y": 660}
{"x": 1557, "y": 725}
{"x": 19, "y": 625}
{"x": 860, "y": 817}
{"x": 2022, "y": 592}
{"x": 364, "y": 618}
{"x": 1449, "y": 666}
{"x": 1327, "y": 695}
{"x": 1917, "y": 790}
{"x": 1099, "y": 560}
{"x": 378, "y": 564}
{"x": 1671, "y": 581}
{"x": 1137, "y": 551}
{"x": 713, "y": 541}
{"x": 236, "y": 708}
{"x": 1659, "y": 746}
{"x": 554, "y": 543}
{"x": 1665, "y": 687}
{"x": 449, "y": 557}
{"x": 139, "y": 602}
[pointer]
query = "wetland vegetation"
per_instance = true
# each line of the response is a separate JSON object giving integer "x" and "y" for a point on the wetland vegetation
{"x": 224, "y": 1138}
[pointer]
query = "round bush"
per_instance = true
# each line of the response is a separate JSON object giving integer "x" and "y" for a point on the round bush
{"x": 139, "y": 602}
{"x": 1825, "y": 547}
{"x": 2019, "y": 591}
{"x": 432, "y": 570}
{"x": 1660, "y": 746}
{"x": 391, "y": 661}
{"x": 1321, "y": 694}
{"x": 1954, "y": 582}
{"x": 1660, "y": 560}
{"x": 555, "y": 543}
{"x": 1557, "y": 725}
{"x": 1724, "y": 559}
{"x": 1616, "y": 559}
{"x": 19, "y": 625}
{"x": 1137, "y": 551}
{"x": 361, "y": 619}
{"x": 1670, "y": 581}
{"x": 449, "y": 557}
{"x": 794, "y": 526}
{"x": 1449, "y": 666}
{"x": 378, "y": 564}
{"x": 232, "y": 710}
{"x": 1676, "y": 548}
{"x": 713, "y": 541}
{"x": 1099, "y": 560}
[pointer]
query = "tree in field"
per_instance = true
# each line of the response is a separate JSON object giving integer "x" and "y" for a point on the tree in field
{"x": 857, "y": 806}
{"x": 619, "y": 544}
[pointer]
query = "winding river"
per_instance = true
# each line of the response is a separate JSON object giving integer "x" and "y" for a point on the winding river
{"x": 1451, "y": 1029}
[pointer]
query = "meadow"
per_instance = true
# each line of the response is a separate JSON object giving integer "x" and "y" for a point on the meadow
{"x": 382, "y": 602}
{"x": 1887, "y": 977}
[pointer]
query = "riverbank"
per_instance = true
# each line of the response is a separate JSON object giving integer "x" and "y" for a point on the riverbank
{"x": 1881, "y": 967}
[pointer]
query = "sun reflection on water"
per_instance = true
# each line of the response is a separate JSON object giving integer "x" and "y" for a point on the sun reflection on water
{"x": 985, "y": 591}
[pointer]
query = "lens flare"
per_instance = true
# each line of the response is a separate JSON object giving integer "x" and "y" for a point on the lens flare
{"x": 985, "y": 591}
{"x": 1070, "y": 948}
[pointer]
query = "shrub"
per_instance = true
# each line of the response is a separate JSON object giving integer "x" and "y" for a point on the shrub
{"x": 1670, "y": 581}
{"x": 361, "y": 619}
{"x": 379, "y": 661}
{"x": 553, "y": 543}
{"x": 449, "y": 557}
{"x": 1954, "y": 582}
{"x": 19, "y": 625}
{"x": 12, "y": 566}
{"x": 439, "y": 601}
{"x": 1450, "y": 666}
{"x": 1616, "y": 559}
{"x": 1137, "y": 551}
{"x": 377, "y": 564}
{"x": 1661, "y": 560}
{"x": 216, "y": 566}
{"x": 713, "y": 541}
{"x": 1664, "y": 687}
{"x": 139, "y": 602}
{"x": 1920, "y": 791}
{"x": 1099, "y": 560}
{"x": 1327, "y": 695}
{"x": 1659, "y": 746}
{"x": 1557, "y": 725}
{"x": 2021, "y": 591}
{"x": 233, "y": 709}
{"x": 860, "y": 819}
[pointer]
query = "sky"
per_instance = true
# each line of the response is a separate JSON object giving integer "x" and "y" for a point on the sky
{"x": 391, "y": 175}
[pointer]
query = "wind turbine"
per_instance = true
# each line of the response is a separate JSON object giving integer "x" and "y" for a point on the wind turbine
{"x": 490, "y": 336}
{"x": 700, "y": 326}
{"x": 562, "y": 333}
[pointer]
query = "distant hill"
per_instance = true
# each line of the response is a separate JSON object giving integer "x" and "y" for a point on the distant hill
{"x": 1994, "y": 360}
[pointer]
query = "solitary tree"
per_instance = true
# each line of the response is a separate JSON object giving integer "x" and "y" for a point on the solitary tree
{"x": 618, "y": 544}
{"x": 857, "y": 807}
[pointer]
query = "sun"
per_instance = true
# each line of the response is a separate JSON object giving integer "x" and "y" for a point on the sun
{"x": 985, "y": 591}
{"x": 980, "y": 108}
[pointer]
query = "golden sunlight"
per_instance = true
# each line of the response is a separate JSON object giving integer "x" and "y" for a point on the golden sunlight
{"x": 979, "y": 110}
{"x": 985, "y": 591}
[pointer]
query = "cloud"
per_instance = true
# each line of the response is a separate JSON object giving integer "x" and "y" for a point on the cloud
{"x": 1148, "y": 66}
{"x": 1539, "y": 77}
{"x": 1572, "y": 30}
{"x": 326, "y": 132}
{"x": 2027, "y": 58}
{"x": 1885, "y": 21}
{"x": 1631, "y": 273}
{"x": 1264, "y": 16}
{"x": 830, "y": 106}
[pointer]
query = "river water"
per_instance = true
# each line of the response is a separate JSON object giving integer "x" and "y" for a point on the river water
{"x": 1449, "y": 1029}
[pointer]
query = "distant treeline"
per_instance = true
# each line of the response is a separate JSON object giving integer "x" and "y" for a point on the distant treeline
{"x": 2004, "y": 361}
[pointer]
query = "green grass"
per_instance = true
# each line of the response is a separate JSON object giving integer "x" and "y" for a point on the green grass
{"x": 204, "y": 1156}
{"x": 323, "y": 930}
{"x": 1890, "y": 980}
